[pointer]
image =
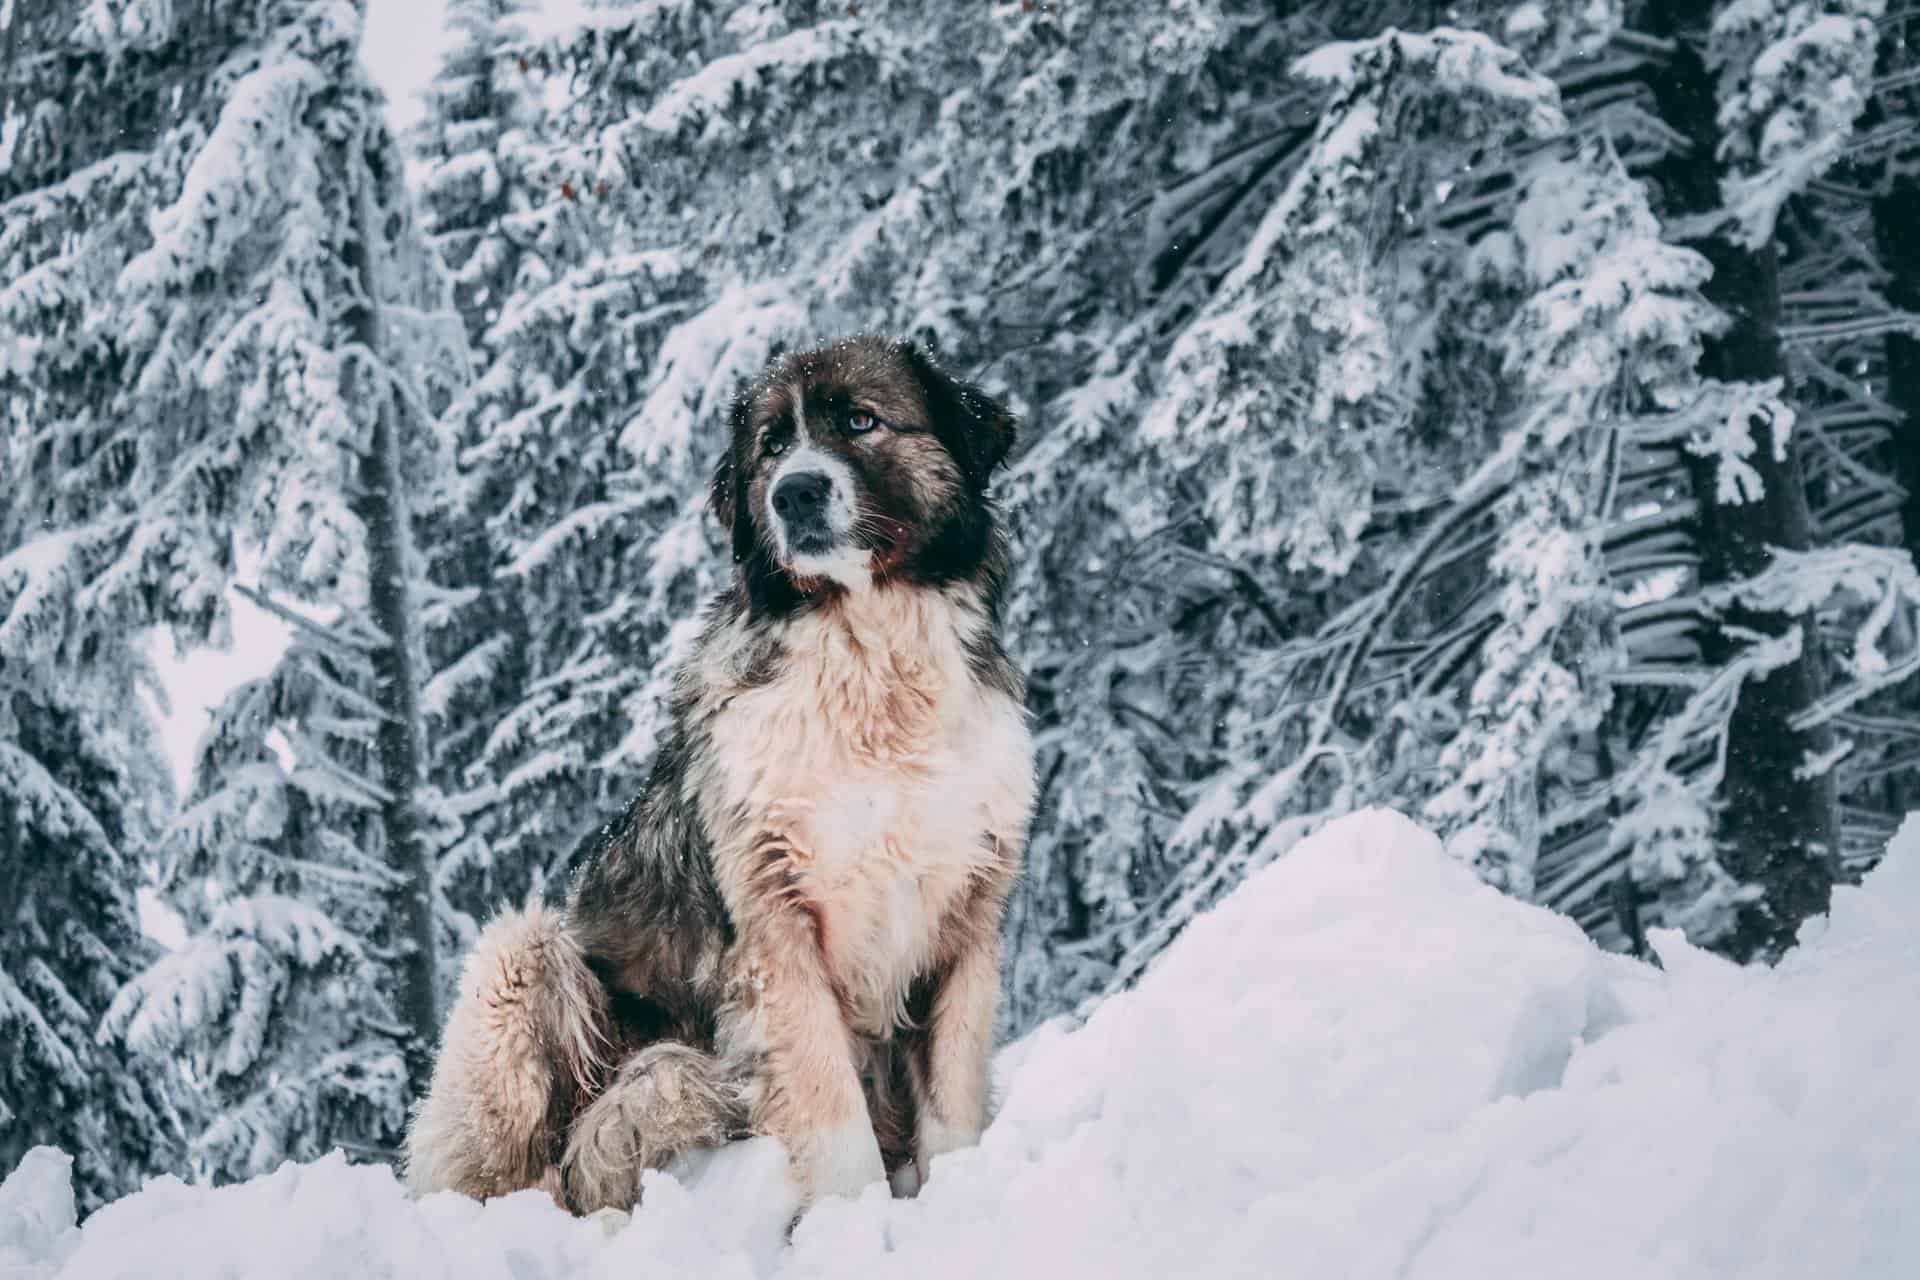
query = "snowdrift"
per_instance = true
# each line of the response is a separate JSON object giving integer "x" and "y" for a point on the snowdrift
{"x": 1364, "y": 1063}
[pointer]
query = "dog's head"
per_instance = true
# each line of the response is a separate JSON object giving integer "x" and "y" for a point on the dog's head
{"x": 855, "y": 465}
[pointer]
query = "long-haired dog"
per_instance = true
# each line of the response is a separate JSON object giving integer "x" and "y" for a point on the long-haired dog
{"x": 795, "y": 929}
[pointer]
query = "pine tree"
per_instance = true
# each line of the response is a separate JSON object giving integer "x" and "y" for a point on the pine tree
{"x": 1606, "y": 336}
{"x": 82, "y": 788}
{"x": 74, "y": 814}
{"x": 582, "y": 449}
{"x": 1893, "y": 215}
{"x": 1846, "y": 325}
{"x": 278, "y": 1001}
{"x": 1894, "y": 211}
{"x": 478, "y": 120}
{"x": 1773, "y": 97}
{"x": 229, "y": 374}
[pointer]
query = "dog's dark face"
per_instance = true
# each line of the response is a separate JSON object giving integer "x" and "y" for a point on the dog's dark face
{"x": 858, "y": 464}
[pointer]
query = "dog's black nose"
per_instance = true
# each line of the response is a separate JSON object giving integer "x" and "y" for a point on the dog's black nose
{"x": 802, "y": 496}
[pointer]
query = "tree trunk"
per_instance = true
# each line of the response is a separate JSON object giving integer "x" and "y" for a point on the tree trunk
{"x": 1896, "y": 227}
{"x": 380, "y": 501}
{"x": 1777, "y": 830}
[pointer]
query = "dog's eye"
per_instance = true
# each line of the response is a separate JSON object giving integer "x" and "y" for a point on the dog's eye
{"x": 776, "y": 447}
{"x": 859, "y": 422}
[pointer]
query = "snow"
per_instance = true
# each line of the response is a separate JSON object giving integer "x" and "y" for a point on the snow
{"x": 1793, "y": 81}
{"x": 196, "y": 681}
{"x": 1302, "y": 304}
{"x": 36, "y": 1211}
{"x": 401, "y": 46}
{"x": 708, "y": 92}
{"x": 1362, "y": 1063}
{"x": 232, "y": 189}
{"x": 1726, "y": 434}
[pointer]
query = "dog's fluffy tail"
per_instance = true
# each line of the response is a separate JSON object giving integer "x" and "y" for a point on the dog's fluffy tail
{"x": 668, "y": 1099}
{"x": 526, "y": 1043}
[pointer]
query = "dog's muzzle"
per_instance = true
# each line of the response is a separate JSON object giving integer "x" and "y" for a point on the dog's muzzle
{"x": 801, "y": 500}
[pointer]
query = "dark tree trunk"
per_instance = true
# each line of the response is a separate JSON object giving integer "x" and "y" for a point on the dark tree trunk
{"x": 1778, "y": 830}
{"x": 1896, "y": 227}
{"x": 380, "y": 501}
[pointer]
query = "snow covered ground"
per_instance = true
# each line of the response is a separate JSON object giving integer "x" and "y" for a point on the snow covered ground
{"x": 1363, "y": 1064}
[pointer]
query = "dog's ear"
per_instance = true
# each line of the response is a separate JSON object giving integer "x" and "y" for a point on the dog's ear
{"x": 727, "y": 497}
{"x": 976, "y": 428}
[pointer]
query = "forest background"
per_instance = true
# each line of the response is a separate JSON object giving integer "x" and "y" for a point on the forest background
{"x": 1504, "y": 413}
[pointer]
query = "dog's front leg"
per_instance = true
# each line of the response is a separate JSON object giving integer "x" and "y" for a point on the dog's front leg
{"x": 807, "y": 1087}
{"x": 950, "y": 1080}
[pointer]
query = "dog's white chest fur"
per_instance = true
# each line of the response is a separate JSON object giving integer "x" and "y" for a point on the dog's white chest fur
{"x": 877, "y": 779}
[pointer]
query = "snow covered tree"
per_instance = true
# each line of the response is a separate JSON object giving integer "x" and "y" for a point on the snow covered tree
{"x": 1607, "y": 335}
{"x": 278, "y": 1001}
{"x": 1602, "y": 798}
{"x": 1764, "y": 108}
{"x": 82, "y": 788}
{"x": 1848, "y": 316}
{"x": 1319, "y": 341}
{"x": 1895, "y": 214}
{"x": 244, "y": 370}
{"x": 77, "y": 789}
{"x": 584, "y": 438}
{"x": 476, "y": 118}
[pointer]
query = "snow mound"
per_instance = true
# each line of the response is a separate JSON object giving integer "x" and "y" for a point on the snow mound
{"x": 1363, "y": 1063}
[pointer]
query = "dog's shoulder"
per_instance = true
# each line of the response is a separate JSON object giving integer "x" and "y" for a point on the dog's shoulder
{"x": 736, "y": 650}
{"x": 655, "y": 836}
{"x": 643, "y": 899}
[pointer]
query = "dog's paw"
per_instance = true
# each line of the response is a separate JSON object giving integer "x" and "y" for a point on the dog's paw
{"x": 610, "y": 1220}
{"x": 843, "y": 1161}
{"x": 936, "y": 1139}
{"x": 905, "y": 1181}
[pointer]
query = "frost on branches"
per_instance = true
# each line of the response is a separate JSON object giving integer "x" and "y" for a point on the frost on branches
{"x": 1297, "y": 347}
{"x": 276, "y": 1002}
{"x": 266, "y": 1006}
{"x": 1794, "y": 76}
{"x": 1608, "y": 331}
{"x": 71, "y": 824}
{"x": 231, "y": 390}
{"x": 82, "y": 571}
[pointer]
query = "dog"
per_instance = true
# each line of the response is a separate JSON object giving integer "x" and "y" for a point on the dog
{"x": 795, "y": 928}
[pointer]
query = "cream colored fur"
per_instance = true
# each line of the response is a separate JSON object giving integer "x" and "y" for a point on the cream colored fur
{"x": 847, "y": 801}
{"x": 529, "y": 1021}
{"x": 667, "y": 1100}
{"x": 954, "y": 1097}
